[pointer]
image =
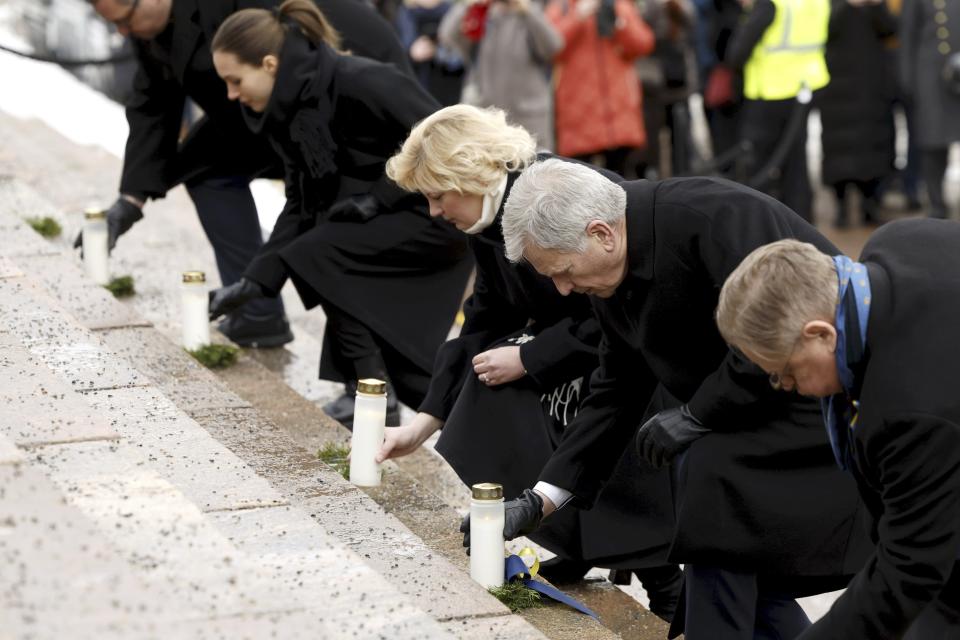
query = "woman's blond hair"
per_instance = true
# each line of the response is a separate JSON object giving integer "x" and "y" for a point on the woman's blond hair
{"x": 775, "y": 291}
{"x": 461, "y": 148}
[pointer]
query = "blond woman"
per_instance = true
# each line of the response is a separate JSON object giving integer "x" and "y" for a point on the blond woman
{"x": 504, "y": 390}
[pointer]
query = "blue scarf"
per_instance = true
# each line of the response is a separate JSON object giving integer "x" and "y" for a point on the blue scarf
{"x": 853, "y": 311}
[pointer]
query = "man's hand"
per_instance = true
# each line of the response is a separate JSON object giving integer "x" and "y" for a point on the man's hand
{"x": 521, "y": 516}
{"x": 354, "y": 209}
{"x": 404, "y": 440}
{"x": 499, "y": 366}
{"x": 232, "y": 297}
{"x": 121, "y": 215}
{"x": 668, "y": 433}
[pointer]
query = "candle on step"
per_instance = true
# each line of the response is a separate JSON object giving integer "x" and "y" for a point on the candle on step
{"x": 369, "y": 418}
{"x": 194, "y": 302}
{"x": 486, "y": 534}
{"x": 95, "y": 249}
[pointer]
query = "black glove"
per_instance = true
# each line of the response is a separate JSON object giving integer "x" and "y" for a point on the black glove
{"x": 520, "y": 516}
{"x": 226, "y": 299}
{"x": 354, "y": 209}
{"x": 120, "y": 217}
{"x": 668, "y": 433}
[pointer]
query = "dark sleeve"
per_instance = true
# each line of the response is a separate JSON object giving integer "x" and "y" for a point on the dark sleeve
{"x": 748, "y": 35}
{"x": 487, "y": 317}
{"x": 154, "y": 113}
{"x": 561, "y": 349}
{"x": 906, "y": 56}
{"x": 364, "y": 32}
{"x": 745, "y": 221}
{"x": 395, "y": 102}
{"x": 620, "y": 390}
{"x": 266, "y": 268}
{"x": 916, "y": 460}
{"x": 884, "y": 23}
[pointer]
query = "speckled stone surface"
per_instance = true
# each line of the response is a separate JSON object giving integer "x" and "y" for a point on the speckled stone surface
{"x": 92, "y": 306}
{"x": 37, "y": 406}
{"x": 17, "y": 239}
{"x": 181, "y": 378}
{"x": 352, "y": 517}
{"x": 8, "y": 269}
{"x": 60, "y": 577}
{"x": 9, "y": 453}
{"x": 44, "y": 328}
{"x": 498, "y": 628}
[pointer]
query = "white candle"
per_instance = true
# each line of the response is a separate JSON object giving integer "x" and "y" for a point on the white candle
{"x": 486, "y": 535}
{"x": 369, "y": 418}
{"x": 194, "y": 307}
{"x": 95, "y": 253}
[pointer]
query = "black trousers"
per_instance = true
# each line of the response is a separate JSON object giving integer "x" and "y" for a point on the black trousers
{"x": 724, "y": 604}
{"x": 353, "y": 350}
{"x": 763, "y": 124}
{"x": 228, "y": 214}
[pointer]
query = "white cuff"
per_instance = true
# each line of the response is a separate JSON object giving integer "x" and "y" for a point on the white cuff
{"x": 558, "y": 496}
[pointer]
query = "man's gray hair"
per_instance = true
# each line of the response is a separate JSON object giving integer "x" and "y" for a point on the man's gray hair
{"x": 551, "y": 204}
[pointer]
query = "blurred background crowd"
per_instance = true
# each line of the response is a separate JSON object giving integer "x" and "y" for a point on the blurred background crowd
{"x": 859, "y": 96}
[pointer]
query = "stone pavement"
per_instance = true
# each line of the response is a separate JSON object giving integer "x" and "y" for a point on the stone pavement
{"x": 123, "y": 518}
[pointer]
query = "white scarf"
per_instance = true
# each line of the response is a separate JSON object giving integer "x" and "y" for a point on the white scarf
{"x": 491, "y": 204}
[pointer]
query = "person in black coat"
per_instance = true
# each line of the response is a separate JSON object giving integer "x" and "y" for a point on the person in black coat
{"x": 763, "y": 515}
{"x": 507, "y": 387}
{"x": 220, "y": 155}
{"x": 856, "y": 108}
{"x": 876, "y": 341}
{"x": 389, "y": 278}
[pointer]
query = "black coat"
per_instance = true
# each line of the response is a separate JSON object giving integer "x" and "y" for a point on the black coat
{"x": 906, "y": 443}
{"x": 502, "y": 434}
{"x": 178, "y": 64}
{"x": 335, "y": 120}
{"x": 856, "y": 108}
{"x": 762, "y": 492}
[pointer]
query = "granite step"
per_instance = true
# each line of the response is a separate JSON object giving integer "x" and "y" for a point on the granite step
{"x": 159, "y": 398}
{"x": 207, "y": 537}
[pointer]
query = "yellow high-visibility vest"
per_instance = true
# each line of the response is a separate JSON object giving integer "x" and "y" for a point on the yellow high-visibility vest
{"x": 790, "y": 54}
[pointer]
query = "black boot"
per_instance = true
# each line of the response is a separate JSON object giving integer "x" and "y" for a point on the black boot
{"x": 341, "y": 409}
{"x": 662, "y": 585}
{"x": 561, "y": 571}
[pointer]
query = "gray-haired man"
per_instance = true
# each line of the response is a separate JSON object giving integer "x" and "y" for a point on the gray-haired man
{"x": 763, "y": 514}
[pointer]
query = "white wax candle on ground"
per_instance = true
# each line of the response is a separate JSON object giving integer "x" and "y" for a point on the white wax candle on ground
{"x": 486, "y": 534}
{"x": 369, "y": 418}
{"x": 95, "y": 253}
{"x": 194, "y": 302}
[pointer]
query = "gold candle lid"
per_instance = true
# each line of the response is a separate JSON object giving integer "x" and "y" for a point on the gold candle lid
{"x": 94, "y": 213}
{"x": 194, "y": 276}
{"x": 372, "y": 386}
{"x": 487, "y": 491}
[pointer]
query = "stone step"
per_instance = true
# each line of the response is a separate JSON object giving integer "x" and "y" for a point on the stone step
{"x": 123, "y": 481}
{"x": 153, "y": 416}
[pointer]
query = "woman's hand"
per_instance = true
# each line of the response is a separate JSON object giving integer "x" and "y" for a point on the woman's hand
{"x": 404, "y": 440}
{"x": 499, "y": 366}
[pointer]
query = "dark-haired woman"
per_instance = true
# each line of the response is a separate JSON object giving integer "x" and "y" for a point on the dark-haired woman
{"x": 388, "y": 277}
